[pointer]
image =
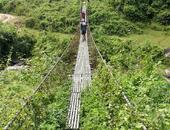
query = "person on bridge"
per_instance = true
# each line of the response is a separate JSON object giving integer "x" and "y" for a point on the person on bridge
{"x": 83, "y": 15}
{"x": 83, "y": 28}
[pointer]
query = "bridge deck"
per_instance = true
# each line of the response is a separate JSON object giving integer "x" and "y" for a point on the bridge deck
{"x": 81, "y": 79}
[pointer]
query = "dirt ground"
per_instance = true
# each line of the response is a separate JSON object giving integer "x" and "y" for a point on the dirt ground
{"x": 7, "y": 18}
{"x": 167, "y": 52}
{"x": 167, "y": 71}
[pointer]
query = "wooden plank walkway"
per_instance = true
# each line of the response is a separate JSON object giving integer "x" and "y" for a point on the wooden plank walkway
{"x": 81, "y": 79}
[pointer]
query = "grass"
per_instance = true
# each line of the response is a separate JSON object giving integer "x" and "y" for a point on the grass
{"x": 158, "y": 38}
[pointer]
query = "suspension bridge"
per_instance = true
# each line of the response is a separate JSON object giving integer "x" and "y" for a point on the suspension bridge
{"x": 81, "y": 79}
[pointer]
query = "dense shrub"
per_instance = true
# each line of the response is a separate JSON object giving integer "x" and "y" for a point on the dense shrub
{"x": 132, "y": 13}
{"x": 1, "y": 6}
{"x": 164, "y": 17}
{"x": 143, "y": 10}
{"x": 121, "y": 28}
{"x": 135, "y": 72}
{"x": 11, "y": 42}
{"x": 11, "y": 6}
{"x": 56, "y": 16}
{"x": 30, "y": 22}
{"x": 151, "y": 13}
{"x": 23, "y": 47}
{"x": 104, "y": 20}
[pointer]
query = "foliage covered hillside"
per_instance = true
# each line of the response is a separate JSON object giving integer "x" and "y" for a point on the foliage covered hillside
{"x": 108, "y": 18}
{"x": 41, "y": 15}
{"x": 135, "y": 71}
{"x": 37, "y": 45}
{"x": 104, "y": 20}
{"x": 51, "y": 15}
{"x": 131, "y": 36}
{"x": 135, "y": 62}
{"x": 14, "y": 45}
{"x": 144, "y": 10}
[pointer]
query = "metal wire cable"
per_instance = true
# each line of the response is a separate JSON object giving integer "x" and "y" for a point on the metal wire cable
{"x": 116, "y": 81}
{"x": 39, "y": 85}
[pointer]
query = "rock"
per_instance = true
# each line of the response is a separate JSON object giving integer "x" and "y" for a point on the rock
{"x": 6, "y": 18}
{"x": 167, "y": 74}
{"x": 16, "y": 67}
{"x": 167, "y": 52}
{"x": 14, "y": 20}
{"x": 167, "y": 55}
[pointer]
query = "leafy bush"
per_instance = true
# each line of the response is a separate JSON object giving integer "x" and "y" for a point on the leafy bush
{"x": 11, "y": 42}
{"x": 30, "y": 22}
{"x": 7, "y": 39}
{"x": 121, "y": 28}
{"x": 164, "y": 17}
{"x": 104, "y": 20}
{"x": 132, "y": 13}
{"x": 142, "y": 10}
{"x": 23, "y": 47}
{"x": 15, "y": 86}
{"x": 10, "y": 6}
{"x": 1, "y": 5}
{"x": 56, "y": 16}
{"x": 134, "y": 70}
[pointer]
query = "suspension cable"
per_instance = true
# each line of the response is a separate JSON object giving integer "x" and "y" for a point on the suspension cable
{"x": 40, "y": 84}
{"x": 116, "y": 81}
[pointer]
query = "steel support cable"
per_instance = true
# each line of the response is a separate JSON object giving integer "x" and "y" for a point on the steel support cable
{"x": 109, "y": 70}
{"x": 7, "y": 127}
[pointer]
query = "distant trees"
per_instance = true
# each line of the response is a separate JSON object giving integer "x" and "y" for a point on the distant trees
{"x": 50, "y": 15}
{"x": 103, "y": 19}
{"x": 133, "y": 13}
{"x": 144, "y": 10}
{"x": 164, "y": 17}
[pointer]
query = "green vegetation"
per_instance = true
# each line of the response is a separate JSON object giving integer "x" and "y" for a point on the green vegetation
{"x": 104, "y": 20}
{"x": 108, "y": 18}
{"x": 144, "y": 10}
{"x": 51, "y": 15}
{"x": 48, "y": 107}
{"x": 135, "y": 70}
{"x": 48, "y": 29}
{"x": 11, "y": 44}
{"x": 158, "y": 38}
{"x": 131, "y": 36}
{"x": 135, "y": 60}
{"x": 17, "y": 85}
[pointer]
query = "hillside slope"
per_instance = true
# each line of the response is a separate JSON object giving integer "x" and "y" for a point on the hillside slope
{"x": 132, "y": 44}
{"x": 46, "y": 31}
{"x": 131, "y": 36}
